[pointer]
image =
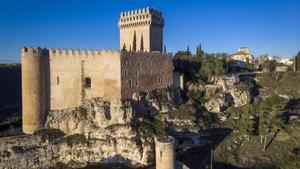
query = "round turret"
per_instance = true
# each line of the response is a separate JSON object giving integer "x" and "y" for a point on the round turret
{"x": 34, "y": 88}
{"x": 164, "y": 153}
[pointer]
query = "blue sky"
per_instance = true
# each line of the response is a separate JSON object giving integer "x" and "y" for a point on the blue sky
{"x": 265, "y": 26}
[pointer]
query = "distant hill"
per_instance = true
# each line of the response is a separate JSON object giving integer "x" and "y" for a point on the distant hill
{"x": 10, "y": 90}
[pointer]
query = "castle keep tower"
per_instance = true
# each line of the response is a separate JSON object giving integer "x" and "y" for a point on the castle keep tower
{"x": 141, "y": 30}
{"x": 164, "y": 153}
{"x": 58, "y": 79}
{"x": 35, "y": 88}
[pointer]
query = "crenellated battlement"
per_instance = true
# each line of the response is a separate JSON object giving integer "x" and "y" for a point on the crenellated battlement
{"x": 141, "y": 17}
{"x": 30, "y": 50}
{"x": 83, "y": 52}
{"x": 147, "y": 54}
{"x": 69, "y": 52}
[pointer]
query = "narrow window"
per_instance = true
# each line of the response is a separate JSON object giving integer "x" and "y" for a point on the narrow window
{"x": 136, "y": 73}
{"x": 130, "y": 83}
{"x": 125, "y": 72}
{"x": 159, "y": 80}
{"x": 137, "y": 83}
{"x": 57, "y": 80}
{"x": 87, "y": 82}
{"x": 126, "y": 63}
{"x": 140, "y": 64}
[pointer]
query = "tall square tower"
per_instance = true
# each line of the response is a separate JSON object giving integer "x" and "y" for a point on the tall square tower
{"x": 141, "y": 30}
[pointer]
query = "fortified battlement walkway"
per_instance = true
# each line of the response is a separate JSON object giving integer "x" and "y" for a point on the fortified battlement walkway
{"x": 89, "y": 52}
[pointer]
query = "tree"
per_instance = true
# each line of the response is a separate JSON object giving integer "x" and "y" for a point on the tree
{"x": 165, "y": 48}
{"x": 247, "y": 65}
{"x": 199, "y": 54}
{"x": 297, "y": 62}
{"x": 142, "y": 44}
{"x": 269, "y": 65}
{"x": 212, "y": 69}
{"x": 271, "y": 118}
{"x": 124, "y": 48}
{"x": 188, "y": 49}
{"x": 134, "y": 42}
{"x": 263, "y": 57}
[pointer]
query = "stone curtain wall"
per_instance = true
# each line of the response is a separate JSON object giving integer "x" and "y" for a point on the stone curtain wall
{"x": 145, "y": 71}
{"x": 70, "y": 71}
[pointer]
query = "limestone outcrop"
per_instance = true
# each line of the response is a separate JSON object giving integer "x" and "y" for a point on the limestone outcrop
{"x": 228, "y": 92}
{"x": 97, "y": 131}
{"x": 27, "y": 151}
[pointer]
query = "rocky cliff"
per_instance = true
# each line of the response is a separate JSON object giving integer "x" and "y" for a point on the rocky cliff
{"x": 97, "y": 131}
{"x": 230, "y": 91}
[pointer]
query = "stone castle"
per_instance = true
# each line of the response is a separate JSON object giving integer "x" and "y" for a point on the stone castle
{"x": 54, "y": 80}
{"x": 57, "y": 79}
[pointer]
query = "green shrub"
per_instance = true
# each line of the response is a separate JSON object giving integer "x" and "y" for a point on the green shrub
{"x": 73, "y": 140}
{"x": 149, "y": 127}
{"x": 49, "y": 134}
{"x": 80, "y": 113}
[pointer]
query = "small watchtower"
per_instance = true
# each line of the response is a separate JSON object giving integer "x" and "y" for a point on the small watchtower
{"x": 141, "y": 30}
{"x": 164, "y": 153}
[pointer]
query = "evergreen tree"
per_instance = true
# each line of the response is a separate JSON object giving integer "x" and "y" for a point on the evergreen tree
{"x": 165, "y": 48}
{"x": 212, "y": 69}
{"x": 142, "y": 44}
{"x": 188, "y": 49}
{"x": 271, "y": 117}
{"x": 124, "y": 48}
{"x": 134, "y": 42}
{"x": 199, "y": 53}
{"x": 297, "y": 62}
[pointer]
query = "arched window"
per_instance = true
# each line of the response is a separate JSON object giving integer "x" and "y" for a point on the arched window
{"x": 87, "y": 82}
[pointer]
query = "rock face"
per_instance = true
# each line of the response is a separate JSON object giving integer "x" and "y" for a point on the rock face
{"x": 217, "y": 104}
{"x": 93, "y": 116}
{"x": 107, "y": 125}
{"x": 228, "y": 92}
{"x": 97, "y": 131}
{"x": 237, "y": 91}
{"x": 27, "y": 152}
{"x": 156, "y": 101}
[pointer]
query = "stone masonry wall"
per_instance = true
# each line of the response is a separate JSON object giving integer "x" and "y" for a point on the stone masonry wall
{"x": 145, "y": 71}
{"x": 70, "y": 71}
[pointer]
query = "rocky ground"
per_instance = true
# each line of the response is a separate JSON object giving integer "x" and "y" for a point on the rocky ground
{"x": 98, "y": 131}
{"x": 210, "y": 117}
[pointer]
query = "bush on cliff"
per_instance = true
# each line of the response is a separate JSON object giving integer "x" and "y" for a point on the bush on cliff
{"x": 73, "y": 140}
